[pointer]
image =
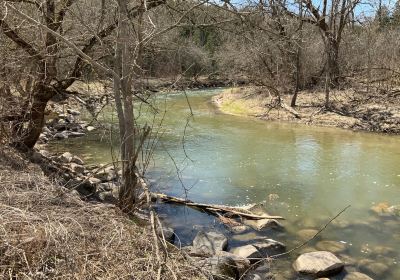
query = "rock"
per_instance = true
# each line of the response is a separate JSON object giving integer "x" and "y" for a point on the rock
{"x": 109, "y": 186}
{"x": 262, "y": 272}
{"x": 77, "y": 160}
{"x": 269, "y": 247}
{"x": 76, "y": 134}
{"x": 249, "y": 236}
{"x": 331, "y": 246}
{"x": 265, "y": 248}
{"x": 239, "y": 229}
{"x": 61, "y": 135}
{"x": 357, "y": 276}
{"x": 241, "y": 264}
{"x": 108, "y": 197}
{"x": 44, "y": 153}
{"x": 221, "y": 267}
{"x": 318, "y": 264}
{"x": 210, "y": 242}
{"x": 70, "y": 119}
{"x": 306, "y": 234}
{"x": 247, "y": 251}
{"x": 77, "y": 168}
{"x": 90, "y": 128}
{"x": 94, "y": 181}
{"x": 373, "y": 268}
{"x": 383, "y": 209}
{"x": 46, "y": 130}
{"x": 73, "y": 112}
{"x": 65, "y": 157}
{"x": 263, "y": 224}
{"x": 347, "y": 260}
{"x": 43, "y": 138}
{"x": 168, "y": 233}
{"x": 188, "y": 250}
{"x": 394, "y": 210}
{"x": 385, "y": 251}
{"x": 106, "y": 174}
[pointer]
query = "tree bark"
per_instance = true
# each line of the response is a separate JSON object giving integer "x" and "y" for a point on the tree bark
{"x": 124, "y": 101}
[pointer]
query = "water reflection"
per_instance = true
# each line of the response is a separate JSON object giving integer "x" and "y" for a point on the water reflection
{"x": 316, "y": 172}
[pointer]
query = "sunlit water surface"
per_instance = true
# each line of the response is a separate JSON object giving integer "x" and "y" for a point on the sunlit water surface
{"x": 224, "y": 159}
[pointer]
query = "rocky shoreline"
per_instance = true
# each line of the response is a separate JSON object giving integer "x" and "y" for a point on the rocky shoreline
{"x": 210, "y": 249}
{"x": 253, "y": 259}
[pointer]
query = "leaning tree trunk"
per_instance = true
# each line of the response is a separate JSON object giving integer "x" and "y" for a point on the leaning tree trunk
{"x": 26, "y": 138}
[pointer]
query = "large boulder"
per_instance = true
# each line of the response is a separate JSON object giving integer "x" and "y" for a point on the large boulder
{"x": 318, "y": 264}
{"x": 209, "y": 243}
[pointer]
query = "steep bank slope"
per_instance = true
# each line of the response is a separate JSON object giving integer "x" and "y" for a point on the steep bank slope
{"x": 48, "y": 233}
{"x": 349, "y": 110}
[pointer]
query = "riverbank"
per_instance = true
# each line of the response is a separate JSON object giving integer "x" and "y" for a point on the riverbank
{"x": 349, "y": 109}
{"x": 49, "y": 232}
{"x": 245, "y": 240}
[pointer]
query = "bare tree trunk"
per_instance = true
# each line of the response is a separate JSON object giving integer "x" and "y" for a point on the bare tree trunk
{"x": 124, "y": 102}
{"x": 332, "y": 72}
{"x": 327, "y": 88}
{"x": 333, "y": 62}
{"x": 298, "y": 55}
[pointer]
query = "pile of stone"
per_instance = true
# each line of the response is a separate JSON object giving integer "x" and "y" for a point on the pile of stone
{"x": 100, "y": 182}
{"x": 209, "y": 249}
{"x": 64, "y": 125}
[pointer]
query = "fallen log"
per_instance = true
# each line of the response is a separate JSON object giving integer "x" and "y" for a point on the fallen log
{"x": 291, "y": 110}
{"x": 216, "y": 209}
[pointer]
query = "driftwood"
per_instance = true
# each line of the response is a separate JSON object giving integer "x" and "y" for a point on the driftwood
{"x": 216, "y": 210}
{"x": 291, "y": 110}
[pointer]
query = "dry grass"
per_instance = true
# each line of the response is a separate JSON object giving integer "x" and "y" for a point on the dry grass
{"x": 47, "y": 234}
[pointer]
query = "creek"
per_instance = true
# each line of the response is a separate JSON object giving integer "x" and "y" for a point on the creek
{"x": 305, "y": 174}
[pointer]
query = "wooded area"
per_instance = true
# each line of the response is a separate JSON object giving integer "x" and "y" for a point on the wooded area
{"x": 284, "y": 54}
{"x": 284, "y": 47}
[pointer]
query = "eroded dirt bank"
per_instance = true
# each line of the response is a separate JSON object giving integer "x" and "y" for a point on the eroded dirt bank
{"x": 350, "y": 110}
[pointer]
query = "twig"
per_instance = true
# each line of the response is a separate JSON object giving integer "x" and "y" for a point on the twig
{"x": 295, "y": 248}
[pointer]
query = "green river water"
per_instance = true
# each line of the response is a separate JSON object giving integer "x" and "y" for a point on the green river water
{"x": 316, "y": 172}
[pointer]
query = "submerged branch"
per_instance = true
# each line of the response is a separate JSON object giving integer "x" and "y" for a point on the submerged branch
{"x": 216, "y": 209}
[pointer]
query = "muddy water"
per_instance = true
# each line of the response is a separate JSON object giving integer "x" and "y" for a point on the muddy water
{"x": 313, "y": 173}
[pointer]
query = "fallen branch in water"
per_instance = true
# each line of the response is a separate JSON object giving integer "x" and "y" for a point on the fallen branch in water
{"x": 216, "y": 209}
